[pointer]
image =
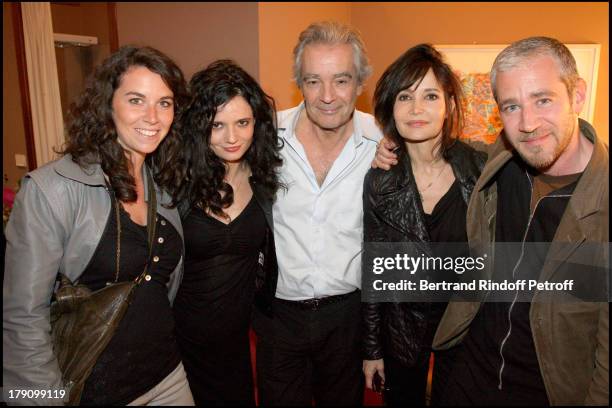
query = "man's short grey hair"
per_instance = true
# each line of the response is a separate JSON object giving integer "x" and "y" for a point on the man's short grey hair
{"x": 516, "y": 53}
{"x": 331, "y": 33}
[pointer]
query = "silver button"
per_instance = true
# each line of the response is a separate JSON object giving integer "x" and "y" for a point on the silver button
{"x": 160, "y": 240}
{"x": 156, "y": 259}
{"x": 147, "y": 277}
{"x": 163, "y": 222}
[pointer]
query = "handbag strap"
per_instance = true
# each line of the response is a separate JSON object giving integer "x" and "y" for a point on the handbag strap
{"x": 118, "y": 256}
{"x": 151, "y": 226}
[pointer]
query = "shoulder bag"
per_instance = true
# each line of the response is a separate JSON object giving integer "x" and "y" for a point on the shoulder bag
{"x": 83, "y": 321}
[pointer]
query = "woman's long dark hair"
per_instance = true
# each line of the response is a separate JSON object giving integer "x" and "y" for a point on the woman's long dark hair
{"x": 410, "y": 68}
{"x": 91, "y": 133}
{"x": 203, "y": 183}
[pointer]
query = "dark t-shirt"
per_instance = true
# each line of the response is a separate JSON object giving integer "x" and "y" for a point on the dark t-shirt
{"x": 447, "y": 233}
{"x": 544, "y": 184}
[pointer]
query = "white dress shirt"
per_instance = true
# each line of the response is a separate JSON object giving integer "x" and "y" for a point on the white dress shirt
{"x": 318, "y": 230}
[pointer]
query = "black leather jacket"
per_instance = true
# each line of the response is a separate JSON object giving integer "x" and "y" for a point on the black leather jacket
{"x": 393, "y": 212}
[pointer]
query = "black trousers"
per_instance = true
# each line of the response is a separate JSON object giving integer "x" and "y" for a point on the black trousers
{"x": 443, "y": 365}
{"x": 406, "y": 385}
{"x": 310, "y": 354}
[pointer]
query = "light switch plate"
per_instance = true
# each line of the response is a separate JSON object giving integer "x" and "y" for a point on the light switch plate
{"x": 21, "y": 161}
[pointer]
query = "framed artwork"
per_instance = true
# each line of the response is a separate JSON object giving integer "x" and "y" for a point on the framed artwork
{"x": 472, "y": 63}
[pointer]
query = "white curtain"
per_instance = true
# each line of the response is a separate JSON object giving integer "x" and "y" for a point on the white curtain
{"x": 43, "y": 80}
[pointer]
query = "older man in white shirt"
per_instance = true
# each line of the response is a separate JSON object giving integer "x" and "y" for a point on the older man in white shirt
{"x": 309, "y": 346}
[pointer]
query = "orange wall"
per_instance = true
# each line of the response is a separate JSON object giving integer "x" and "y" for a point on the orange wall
{"x": 390, "y": 28}
{"x": 280, "y": 25}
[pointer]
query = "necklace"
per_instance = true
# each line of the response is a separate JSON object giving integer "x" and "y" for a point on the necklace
{"x": 235, "y": 189}
{"x": 237, "y": 186}
{"x": 428, "y": 186}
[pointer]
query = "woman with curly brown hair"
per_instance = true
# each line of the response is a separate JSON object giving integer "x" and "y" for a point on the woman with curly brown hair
{"x": 86, "y": 216}
{"x": 231, "y": 152}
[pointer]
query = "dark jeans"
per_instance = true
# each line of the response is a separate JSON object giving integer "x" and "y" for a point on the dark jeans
{"x": 306, "y": 354}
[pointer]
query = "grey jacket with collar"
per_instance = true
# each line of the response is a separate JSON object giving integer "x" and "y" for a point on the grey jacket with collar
{"x": 55, "y": 226}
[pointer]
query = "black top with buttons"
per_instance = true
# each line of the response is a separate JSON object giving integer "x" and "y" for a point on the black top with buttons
{"x": 143, "y": 350}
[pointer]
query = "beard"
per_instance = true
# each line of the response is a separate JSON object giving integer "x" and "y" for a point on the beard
{"x": 542, "y": 158}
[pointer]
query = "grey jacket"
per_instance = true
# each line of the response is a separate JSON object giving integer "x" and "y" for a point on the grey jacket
{"x": 56, "y": 223}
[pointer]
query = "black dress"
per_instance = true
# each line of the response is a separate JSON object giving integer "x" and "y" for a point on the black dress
{"x": 214, "y": 303}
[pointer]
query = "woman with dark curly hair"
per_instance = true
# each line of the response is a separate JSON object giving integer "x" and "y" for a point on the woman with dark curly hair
{"x": 231, "y": 161}
{"x": 87, "y": 216}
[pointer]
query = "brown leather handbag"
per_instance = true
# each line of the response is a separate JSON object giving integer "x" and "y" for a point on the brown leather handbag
{"x": 83, "y": 321}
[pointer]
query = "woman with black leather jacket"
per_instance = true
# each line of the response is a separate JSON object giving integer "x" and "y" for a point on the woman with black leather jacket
{"x": 422, "y": 199}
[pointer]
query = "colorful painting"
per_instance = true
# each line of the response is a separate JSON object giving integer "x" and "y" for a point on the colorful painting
{"x": 482, "y": 121}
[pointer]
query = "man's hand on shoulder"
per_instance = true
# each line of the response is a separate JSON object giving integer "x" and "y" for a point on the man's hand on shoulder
{"x": 385, "y": 157}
